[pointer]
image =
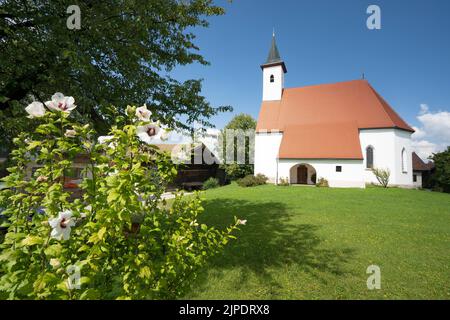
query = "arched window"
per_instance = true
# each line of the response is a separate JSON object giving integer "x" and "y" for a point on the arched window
{"x": 404, "y": 161}
{"x": 272, "y": 78}
{"x": 369, "y": 157}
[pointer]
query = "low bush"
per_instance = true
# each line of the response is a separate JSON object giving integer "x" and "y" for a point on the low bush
{"x": 284, "y": 182}
{"x": 261, "y": 179}
{"x": 211, "y": 183}
{"x": 382, "y": 176}
{"x": 252, "y": 181}
{"x": 322, "y": 183}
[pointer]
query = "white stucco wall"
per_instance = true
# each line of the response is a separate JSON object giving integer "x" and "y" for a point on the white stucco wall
{"x": 352, "y": 175}
{"x": 273, "y": 90}
{"x": 266, "y": 154}
{"x": 403, "y": 141}
{"x": 382, "y": 141}
{"x": 388, "y": 145}
{"x": 418, "y": 183}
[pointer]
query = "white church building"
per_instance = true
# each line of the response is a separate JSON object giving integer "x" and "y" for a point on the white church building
{"x": 338, "y": 132}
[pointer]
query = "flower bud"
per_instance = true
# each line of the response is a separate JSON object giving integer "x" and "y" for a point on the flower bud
{"x": 55, "y": 263}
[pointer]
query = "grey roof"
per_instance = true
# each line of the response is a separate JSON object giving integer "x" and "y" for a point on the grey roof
{"x": 274, "y": 56}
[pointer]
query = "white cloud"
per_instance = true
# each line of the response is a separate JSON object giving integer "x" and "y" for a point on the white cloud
{"x": 418, "y": 134}
{"x": 424, "y": 148}
{"x": 424, "y": 108}
{"x": 433, "y": 135}
{"x": 209, "y": 137}
{"x": 436, "y": 125}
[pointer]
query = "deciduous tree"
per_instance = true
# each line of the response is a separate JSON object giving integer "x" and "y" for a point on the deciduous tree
{"x": 441, "y": 176}
{"x": 123, "y": 53}
{"x": 242, "y": 124}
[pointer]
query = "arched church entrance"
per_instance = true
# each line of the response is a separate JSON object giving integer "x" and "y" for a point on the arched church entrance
{"x": 303, "y": 174}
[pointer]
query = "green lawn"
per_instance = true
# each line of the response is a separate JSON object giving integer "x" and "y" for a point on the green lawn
{"x": 315, "y": 243}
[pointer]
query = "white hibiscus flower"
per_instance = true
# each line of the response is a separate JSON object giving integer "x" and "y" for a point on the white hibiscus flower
{"x": 165, "y": 134}
{"x": 143, "y": 114}
{"x": 88, "y": 210}
{"x": 61, "y": 103}
{"x": 70, "y": 133}
{"x": 35, "y": 110}
{"x": 242, "y": 222}
{"x": 150, "y": 132}
{"x": 42, "y": 179}
{"x": 62, "y": 225}
{"x": 55, "y": 263}
{"x": 106, "y": 139}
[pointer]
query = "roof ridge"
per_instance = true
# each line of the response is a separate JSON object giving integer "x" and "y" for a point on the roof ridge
{"x": 327, "y": 84}
{"x": 318, "y": 122}
{"x": 385, "y": 104}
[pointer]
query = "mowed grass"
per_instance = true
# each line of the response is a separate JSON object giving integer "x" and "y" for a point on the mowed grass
{"x": 316, "y": 243}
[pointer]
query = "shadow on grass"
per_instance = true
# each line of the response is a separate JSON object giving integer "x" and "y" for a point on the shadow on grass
{"x": 270, "y": 240}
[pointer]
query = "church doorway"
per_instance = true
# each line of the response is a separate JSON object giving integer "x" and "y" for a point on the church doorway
{"x": 303, "y": 173}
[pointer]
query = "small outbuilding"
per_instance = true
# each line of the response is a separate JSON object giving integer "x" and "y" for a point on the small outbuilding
{"x": 421, "y": 172}
{"x": 196, "y": 165}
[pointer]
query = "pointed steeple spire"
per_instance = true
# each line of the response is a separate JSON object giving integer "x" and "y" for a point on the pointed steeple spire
{"x": 274, "y": 55}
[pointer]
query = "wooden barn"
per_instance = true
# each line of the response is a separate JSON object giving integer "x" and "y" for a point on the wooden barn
{"x": 198, "y": 165}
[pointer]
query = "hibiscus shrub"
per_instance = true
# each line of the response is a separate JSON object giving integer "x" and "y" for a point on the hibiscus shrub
{"x": 120, "y": 240}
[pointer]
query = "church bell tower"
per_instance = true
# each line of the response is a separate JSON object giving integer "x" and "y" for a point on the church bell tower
{"x": 273, "y": 74}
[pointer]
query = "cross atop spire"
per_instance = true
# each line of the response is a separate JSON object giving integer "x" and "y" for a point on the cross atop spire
{"x": 274, "y": 55}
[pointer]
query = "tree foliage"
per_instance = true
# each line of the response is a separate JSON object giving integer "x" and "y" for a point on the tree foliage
{"x": 122, "y": 54}
{"x": 441, "y": 175}
{"x": 242, "y": 124}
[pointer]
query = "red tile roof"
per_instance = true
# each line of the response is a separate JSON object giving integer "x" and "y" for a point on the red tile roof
{"x": 321, "y": 141}
{"x": 420, "y": 165}
{"x": 327, "y": 111}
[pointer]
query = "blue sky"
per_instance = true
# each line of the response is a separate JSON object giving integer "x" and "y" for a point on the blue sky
{"x": 325, "y": 41}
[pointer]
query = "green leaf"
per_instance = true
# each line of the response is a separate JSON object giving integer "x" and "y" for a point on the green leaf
{"x": 101, "y": 233}
{"x": 97, "y": 237}
{"x": 43, "y": 280}
{"x": 84, "y": 247}
{"x": 145, "y": 273}
{"x": 112, "y": 196}
{"x": 63, "y": 286}
{"x": 53, "y": 250}
{"x": 90, "y": 294}
{"x": 32, "y": 240}
{"x": 33, "y": 145}
{"x": 6, "y": 255}
{"x": 85, "y": 280}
